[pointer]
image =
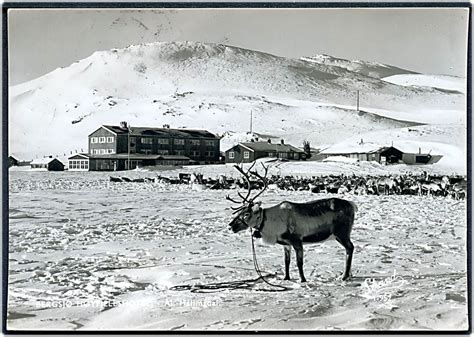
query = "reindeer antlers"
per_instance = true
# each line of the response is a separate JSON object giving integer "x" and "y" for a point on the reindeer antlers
{"x": 263, "y": 179}
{"x": 246, "y": 175}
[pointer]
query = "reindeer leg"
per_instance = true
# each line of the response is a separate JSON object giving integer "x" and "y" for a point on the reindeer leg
{"x": 287, "y": 262}
{"x": 347, "y": 244}
{"x": 298, "y": 247}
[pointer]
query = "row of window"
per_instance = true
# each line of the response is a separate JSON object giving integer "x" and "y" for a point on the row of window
{"x": 78, "y": 164}
{"x": 102, "y": 151}
{"x": 191, "y": 153}
{"x": 95, "y": 140}
{"x": 166, "y": 141}
{"x": 362, "y": 156}
{"x": 246, "y": 155}
{"x": 148, "y": 140}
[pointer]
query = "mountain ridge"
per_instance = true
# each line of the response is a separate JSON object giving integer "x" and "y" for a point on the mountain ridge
{"x": 188, "y": 84}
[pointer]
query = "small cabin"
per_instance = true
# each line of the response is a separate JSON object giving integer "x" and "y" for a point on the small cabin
{"x": 421, "y": 158}
{"x": 49, "y": 164}
{"x": 12, "y": 161}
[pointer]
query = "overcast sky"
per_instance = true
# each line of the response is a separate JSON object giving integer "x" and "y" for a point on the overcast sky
{"x": 423, "y": 40}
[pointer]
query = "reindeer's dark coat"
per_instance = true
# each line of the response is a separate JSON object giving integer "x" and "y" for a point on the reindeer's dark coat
{"x": 292, "y": 224}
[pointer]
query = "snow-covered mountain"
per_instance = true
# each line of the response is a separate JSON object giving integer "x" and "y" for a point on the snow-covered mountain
{"x": 376, "y": 70}
{"x": 188, "y": 84}
{"x": 435, "y": 81}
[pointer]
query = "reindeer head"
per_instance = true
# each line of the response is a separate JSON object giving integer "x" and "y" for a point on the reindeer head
{"x": 249, "y": 214}
{"x": 248, "y": 217}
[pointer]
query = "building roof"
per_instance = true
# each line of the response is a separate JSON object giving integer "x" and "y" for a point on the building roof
{"x": 164, "y": 132}
{"x": 271, "y": 147}
{"x": 44, "y": 161}
{"x": 80, "y": 155}
{"x": 345, "y": 148}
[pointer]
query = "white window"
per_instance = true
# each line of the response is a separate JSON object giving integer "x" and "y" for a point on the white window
{"x": 93, "y": 140}
{"x": 180, "y": 153}
{"x": 110, "y": 139}
{"x": 209, "y": 153}
{"x": 102, "y": 151}
{"x": 231, "y": 155}
{"x": 146, "y": 140}
{"x": 163, "y": 152}
{"x": 101, "y": 139}
{"x": 209, "y": 143}
{"x": 163, "y": 141}
{"x": 246, "y": 155}
{"x": 179, "y": 141}
{"x": 195, "y": 153}
{"x": 110, "y": 151}
{"x": 195, "y": 142}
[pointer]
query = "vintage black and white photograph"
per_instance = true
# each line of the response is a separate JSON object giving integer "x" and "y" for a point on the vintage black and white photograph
{"x": 237, "y": 169}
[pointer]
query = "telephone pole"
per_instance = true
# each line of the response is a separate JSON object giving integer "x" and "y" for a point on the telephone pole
{"x": 357, "y": 100}
{"x": 251, "y": 115}
{"x": 128, "y": 140}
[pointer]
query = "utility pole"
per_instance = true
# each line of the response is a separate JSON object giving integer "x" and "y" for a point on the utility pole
{"x": 251, "y": 115}
{"x": 357, "y": 100}
{"x": 128, "y": 157}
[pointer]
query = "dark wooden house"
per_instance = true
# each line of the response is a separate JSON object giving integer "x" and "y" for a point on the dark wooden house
{"x": 421, "y": 158}
{"x": 124, "y": 147}
{"x": 50, "y": 164}
{"x": 12, "y": 161}
{"x": 250, "y": 151}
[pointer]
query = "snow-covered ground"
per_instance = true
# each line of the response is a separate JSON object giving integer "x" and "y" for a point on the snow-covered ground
{"x": 107, "y": 254}
{"x": 434, "y": 81}
{"x": 89, "y": 254}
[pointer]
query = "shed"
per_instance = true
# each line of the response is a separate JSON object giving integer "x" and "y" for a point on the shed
{"x": 50, "y": 164}
{"x": 390, "y": 155}
{"x": 12, "y": 161}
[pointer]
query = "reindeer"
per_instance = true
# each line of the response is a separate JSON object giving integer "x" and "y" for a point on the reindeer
{"x": 294, "y": 224}
{"x": 389, "y": 185}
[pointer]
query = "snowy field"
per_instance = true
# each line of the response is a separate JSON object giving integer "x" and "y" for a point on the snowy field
{"x": 89, "y": 254}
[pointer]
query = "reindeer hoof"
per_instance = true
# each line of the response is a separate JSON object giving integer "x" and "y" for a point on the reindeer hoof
{"x": 303, "y": 280}
{"x": 287, "y": 278}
